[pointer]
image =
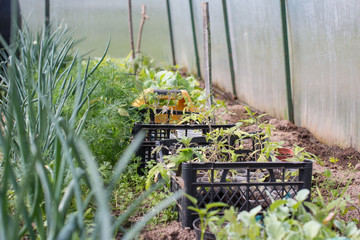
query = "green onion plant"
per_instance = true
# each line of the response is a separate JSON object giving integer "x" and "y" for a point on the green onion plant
{"x": 48, "y": 176}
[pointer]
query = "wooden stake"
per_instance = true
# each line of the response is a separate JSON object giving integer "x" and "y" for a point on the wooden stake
{"x": 207, "y": 51}
{"x": 143, "y": 18}
{"x": 47, "y": 16}
{"x": 131, "y": 31}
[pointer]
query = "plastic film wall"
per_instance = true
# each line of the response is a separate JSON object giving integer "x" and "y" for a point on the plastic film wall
{"x": 183, "y": 38}
{"x": 324, "y": 42}
{"x": 258, "y": 54}
{"x": 219, "y": 56}
{"x": 97, "y": 22}
{"x": 325, "y": 39}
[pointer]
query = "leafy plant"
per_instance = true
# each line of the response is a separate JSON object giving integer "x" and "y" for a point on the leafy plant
{"x": 168, "y": 80}
{"x": 285, "y": 219}
{"x": 206, "y": 215}
{"x": 50, "y": 182}
{"x": 111, "y": 117}
{"x": 333, "y": 160}
{"x": 329, "y": 190}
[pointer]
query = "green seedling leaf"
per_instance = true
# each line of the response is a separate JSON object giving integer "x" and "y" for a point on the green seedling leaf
{"x": 277, "y": 204}
{"x": 319, "y": 194}
{"x": 215, "y": 204}
{"x": 351, "y": 230}
{"x": 333, "y": 204}
{"x": 312, "y": 229}
{"x": 201, "y": 212}
{"x": 327, "y": 173}
{"x": 302, "y": 195}
{"x": 192, "y": 199}
{"x": 313, "y": 208}
{"x": 275, "y": 230}
{"x": 293, "y": 236}
{"x": 123, "y": 112}
{"x": 342, "y": 206}
{"x": 255, "y": 211}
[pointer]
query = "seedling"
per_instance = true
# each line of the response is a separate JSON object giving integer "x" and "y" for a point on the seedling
{"x": 206, "y": 215}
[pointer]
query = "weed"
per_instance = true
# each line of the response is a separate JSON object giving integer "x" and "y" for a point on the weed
{"x": 333, "y": 160}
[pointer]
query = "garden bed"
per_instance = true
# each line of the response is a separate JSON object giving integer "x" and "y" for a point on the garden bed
{"x": 243, "y": 185}
{"x": 342, "y": 170}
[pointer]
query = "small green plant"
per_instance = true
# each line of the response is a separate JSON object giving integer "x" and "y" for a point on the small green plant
{"x": 333, "y": 160}
{"x": 329, "y": 190}
{"x": 206, "y": 215}
{"x": 286, "y": 219}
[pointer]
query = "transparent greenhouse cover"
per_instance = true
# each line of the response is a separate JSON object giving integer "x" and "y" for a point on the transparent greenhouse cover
{"x": 324, "y": 42}
{"x": 98, "y": 21}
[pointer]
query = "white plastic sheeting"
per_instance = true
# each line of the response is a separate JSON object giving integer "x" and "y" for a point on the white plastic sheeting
{"x": 258, "y": 54}
{"x": 219, "y": 55}
{"x": 325, "y": 43}
{"x": 183, "y": 38}
{"x": 98, "y": 21}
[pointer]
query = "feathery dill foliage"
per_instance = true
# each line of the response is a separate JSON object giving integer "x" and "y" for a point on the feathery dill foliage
{"x": 110, "y": 120}
{"x": 49, "y": 178}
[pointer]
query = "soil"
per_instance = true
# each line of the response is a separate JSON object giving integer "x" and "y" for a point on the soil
{"x": 344, "y": 164}
{"x": 172, "y": 231}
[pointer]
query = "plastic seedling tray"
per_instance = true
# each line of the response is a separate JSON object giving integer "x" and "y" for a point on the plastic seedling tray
{"x": 169, "y": 146}
{"x": 243, "y": 185}
{"x": 156, "y": 132}
{"x": 166, "y": 113}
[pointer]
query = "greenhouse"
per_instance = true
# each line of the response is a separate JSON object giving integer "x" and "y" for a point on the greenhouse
{"x": 179, "y": 119}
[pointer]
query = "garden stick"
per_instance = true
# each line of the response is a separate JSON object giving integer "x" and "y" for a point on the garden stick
{"x": 207, "y": 51}
{"x": 47, "y": 14}
{"x": 131, "y": 31}
{"x": 143, "y": 18}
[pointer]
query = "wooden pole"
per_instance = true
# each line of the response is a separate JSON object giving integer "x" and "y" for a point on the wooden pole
{"x": 143, "y": 18}
{"x": 207, "y": 51}
{"x": 47, "y": 14}
{"x": 131, "y": 31}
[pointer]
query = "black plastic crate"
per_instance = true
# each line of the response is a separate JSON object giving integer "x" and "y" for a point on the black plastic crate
{"x": 168, "y": 114}
{"x": 163, "y": 115}
{"x": 247, "y": 153}
{"x": 243, "y": 185}
{"x": 156, "y": 132}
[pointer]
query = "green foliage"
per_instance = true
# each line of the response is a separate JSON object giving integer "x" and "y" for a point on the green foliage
{"x": 167, "y": 80}
{"x": 111, "y": 117}
{"x": 333, "y": 160}
{"x": 329, "y": 193}
{"x": 131, "y": 186}
{"x": 285, "y": 219}
{"x": 206, "y": 215}
{"x": 51, "y": 187}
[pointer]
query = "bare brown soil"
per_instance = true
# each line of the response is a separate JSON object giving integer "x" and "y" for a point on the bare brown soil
{"x": 172, "y": 231}
{"x": 344, "y": 168}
